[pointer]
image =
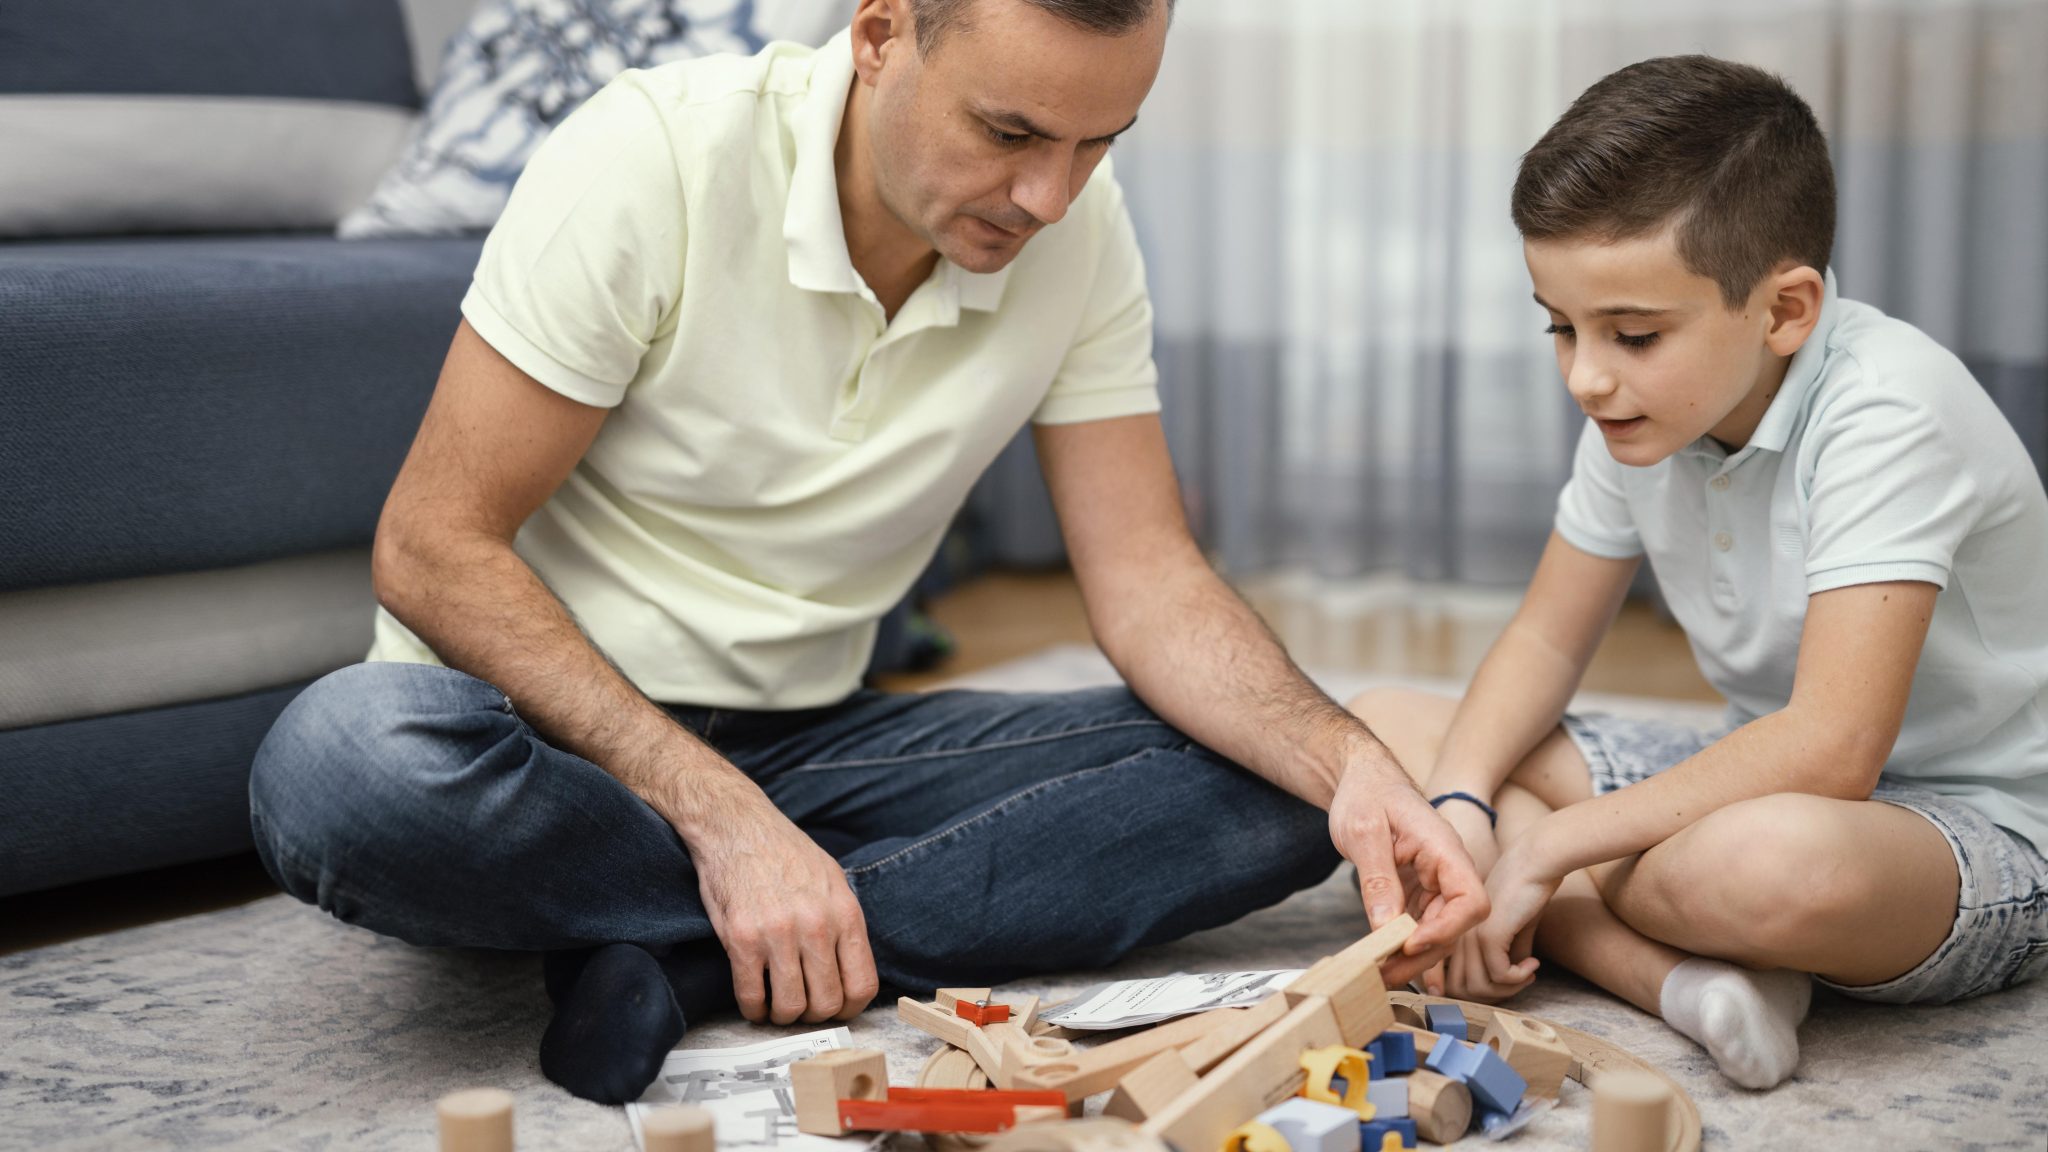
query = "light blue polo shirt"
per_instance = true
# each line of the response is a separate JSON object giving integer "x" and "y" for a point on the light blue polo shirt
{"x": 1881, "y": 458}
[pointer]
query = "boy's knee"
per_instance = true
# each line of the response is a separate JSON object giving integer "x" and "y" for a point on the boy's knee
{"x": 1762, "y": 876}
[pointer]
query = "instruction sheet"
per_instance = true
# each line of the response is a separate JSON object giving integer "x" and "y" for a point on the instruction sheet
{"x": 1130, "y": 1003}
{"x": 747, "y": 1091}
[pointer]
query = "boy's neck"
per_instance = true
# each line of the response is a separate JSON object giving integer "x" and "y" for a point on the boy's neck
{"x": 1739, "y": 425}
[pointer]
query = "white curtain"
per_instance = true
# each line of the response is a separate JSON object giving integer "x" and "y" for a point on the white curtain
{"x": 1354, "y": 375}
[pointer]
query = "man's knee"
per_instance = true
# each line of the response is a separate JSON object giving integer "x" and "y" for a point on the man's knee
{"x": 1758, "y": 879}
{"x": 1410, "y": 723}
{"x": 351, "y": 748}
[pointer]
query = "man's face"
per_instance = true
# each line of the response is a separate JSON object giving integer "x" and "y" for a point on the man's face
{"x": 1648, "y": 348}
{"x": 989, "y": 137}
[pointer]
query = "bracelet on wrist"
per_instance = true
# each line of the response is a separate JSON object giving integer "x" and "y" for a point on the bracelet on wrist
{"x": 1492, "y": 817}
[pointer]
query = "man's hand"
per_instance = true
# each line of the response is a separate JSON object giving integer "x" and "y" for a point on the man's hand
{"x": 780, "y": 905}
{"x": 1407, "y": 857}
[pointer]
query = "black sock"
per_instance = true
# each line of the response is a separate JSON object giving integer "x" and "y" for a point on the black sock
{"x": 613, "y": 1024}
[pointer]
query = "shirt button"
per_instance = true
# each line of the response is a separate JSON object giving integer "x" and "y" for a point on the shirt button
{"x": 1718, "y": 483}
{"x": 1723, "y": 541}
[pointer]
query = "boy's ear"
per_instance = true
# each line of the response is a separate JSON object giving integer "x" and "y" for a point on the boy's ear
{"x": 1794, "y": 297}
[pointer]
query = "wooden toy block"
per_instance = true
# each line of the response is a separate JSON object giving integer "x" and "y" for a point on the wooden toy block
{"x": 1324, "y": 1067}
{"x": 1441, "y": 1107}
{"x": 1146, "y": 1090}
{"x": 1389, "y": 1098}
{"x": 1390, "y": 1135}
{"x": 1309, "y": 1126}
{"x": 820, "y": 1083}
{"x": 1447, "y": 1019}
{"x": 1393, "y": 1053}
{"x": 1257, "y": 1076}
{"x": 1252, "y": 1136}
{"x": 1003, "y": 1050}
{"x": 475, "y": 1120}
{"x": 1203, "y": 1039}
{"x": 1533, "y": 1049}
{"x": 1095, "y": 1134}
{"x": 1631, "y": 1111}
{"x": 949, "y": 1067}
{"x": 678, "y": 1128}
{"x": 1350, "y": 980}
{"x": 1495, "y": 1086}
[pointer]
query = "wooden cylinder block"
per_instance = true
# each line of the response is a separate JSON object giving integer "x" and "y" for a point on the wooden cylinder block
{"x": 476, "y": 1120}
{"x": 679, "y": 1129}
{"x": 1440, "y": 1106}
{"x": 1631, "y": 1111}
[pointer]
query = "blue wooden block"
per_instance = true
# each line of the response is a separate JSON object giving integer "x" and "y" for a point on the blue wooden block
{"x": 1495, "y": 1086}
{"x": 1389, "y": 1098}
{"x": 1448, "y": 1019}
{"x": 1372, "y": 1134}
{"x": 1313, "y": 1126}
{"x": 1393, "y": 1054}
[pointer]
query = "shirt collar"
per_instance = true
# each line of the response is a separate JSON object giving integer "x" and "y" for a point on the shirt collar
{"x": 811, "y": 224}
{"x": 1788, "y": 407}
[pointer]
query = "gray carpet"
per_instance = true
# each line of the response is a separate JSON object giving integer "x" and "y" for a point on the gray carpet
{"x": 270, "y": 1026}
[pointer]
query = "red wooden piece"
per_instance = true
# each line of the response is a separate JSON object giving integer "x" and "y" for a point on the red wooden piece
{"x": 943, "y": 1110}
{"x": 981, "y": 1015}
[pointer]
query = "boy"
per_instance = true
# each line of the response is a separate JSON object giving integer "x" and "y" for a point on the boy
{"x": 1854, "y": 541}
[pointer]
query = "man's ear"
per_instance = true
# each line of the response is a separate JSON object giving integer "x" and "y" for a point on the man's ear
{"x": 880, "y": 29}
{"x": 1794, "y": 297}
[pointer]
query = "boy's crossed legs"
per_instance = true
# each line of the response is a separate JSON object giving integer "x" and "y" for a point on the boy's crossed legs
{"x": 1715, "y": 928}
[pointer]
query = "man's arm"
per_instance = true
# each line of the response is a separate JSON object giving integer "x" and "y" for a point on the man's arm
{"x": 1197, "y": 655}
{"x": 494, "y": 446}
{"x": 1857, "y": 654}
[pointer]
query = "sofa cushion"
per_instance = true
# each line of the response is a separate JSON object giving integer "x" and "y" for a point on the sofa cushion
{"x": 136, "y": 115}
{"x": 185, "y": 403}
{"x": 151, "y": 641}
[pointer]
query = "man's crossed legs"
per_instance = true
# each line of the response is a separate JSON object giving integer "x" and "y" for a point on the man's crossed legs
{"x": 986, "y": 835}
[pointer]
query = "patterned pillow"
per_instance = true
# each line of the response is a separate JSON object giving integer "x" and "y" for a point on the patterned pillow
{"x": 520, "y": 66}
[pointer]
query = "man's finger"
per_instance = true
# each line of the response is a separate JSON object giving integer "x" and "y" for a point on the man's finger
{"x": 857, "y": 971}
{"x": 823, "y": 993}
{"x": 748, "y": 987}
{"x": 786, "y": 981}
{"x": 1379, "y": 881}
{"x": 1461, "y": 904}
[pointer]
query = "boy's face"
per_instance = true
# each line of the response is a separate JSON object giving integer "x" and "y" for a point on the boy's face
{"x": 1652, "y": 353}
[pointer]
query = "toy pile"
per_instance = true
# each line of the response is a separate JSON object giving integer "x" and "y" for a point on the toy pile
{"x": 1333, "y": 1063}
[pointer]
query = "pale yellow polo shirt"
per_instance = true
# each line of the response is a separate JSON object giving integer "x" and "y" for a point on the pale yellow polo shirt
{"x": 780, "y": 463}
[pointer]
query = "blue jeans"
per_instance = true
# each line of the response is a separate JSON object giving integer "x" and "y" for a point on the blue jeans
{"x": 986, "y": 835}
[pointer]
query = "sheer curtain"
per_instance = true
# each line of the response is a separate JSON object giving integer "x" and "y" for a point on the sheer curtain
{"x": 1354, "y": 376}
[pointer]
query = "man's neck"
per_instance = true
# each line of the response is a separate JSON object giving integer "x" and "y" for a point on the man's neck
{"x": 889, "y": 257}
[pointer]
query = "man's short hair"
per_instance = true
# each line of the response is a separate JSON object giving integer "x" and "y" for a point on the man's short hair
{"x": 1727, "y": 153}
{"x": 934, "y": 18}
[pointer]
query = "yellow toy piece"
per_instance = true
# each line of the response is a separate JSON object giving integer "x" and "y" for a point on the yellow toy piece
{"x": 1253, "y": 1136}
{"x": 1325, "y": 1064}
{"x": 1390, "y": 1142}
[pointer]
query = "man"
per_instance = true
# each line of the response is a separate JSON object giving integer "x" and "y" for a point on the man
{"x": 745, "y": 336}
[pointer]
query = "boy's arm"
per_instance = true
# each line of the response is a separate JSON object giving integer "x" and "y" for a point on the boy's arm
{"x": 1857, "y": 654}
{"x": 1531, "y": 672}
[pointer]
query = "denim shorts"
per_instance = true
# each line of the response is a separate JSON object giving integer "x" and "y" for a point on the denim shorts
{"x": 2000, "y": 936}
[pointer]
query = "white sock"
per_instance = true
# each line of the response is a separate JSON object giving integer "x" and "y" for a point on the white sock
{"x": 1747, "y": 1021}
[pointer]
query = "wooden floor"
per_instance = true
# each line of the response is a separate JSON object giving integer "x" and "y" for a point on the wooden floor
{"x": 993, "y": 619}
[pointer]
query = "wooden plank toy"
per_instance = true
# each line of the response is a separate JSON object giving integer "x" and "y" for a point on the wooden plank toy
{"x": 1203, "y": 1041}
{"x": 1257, "y": 1076}
{"x": 1095, "y": 1134}
{"x": 1147, "y": 1089}
{"x": 949, "y": 1110}
{"x": 1350, "y": 980}
{"x": 821, "y": 1082}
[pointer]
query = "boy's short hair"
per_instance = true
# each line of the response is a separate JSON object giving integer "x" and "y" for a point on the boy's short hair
{"x": 1726, "y": 152}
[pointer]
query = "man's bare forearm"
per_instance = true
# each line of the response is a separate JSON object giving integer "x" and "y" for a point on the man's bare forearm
{"x": 1197, "y": 654}
{"x": 484, "y": 611}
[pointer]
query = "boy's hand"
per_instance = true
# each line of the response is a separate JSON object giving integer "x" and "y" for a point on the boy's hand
{"x": 1518, "y": 891}
{"x": 1476, "y": 831}
{"x": 1407, "y": 858}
